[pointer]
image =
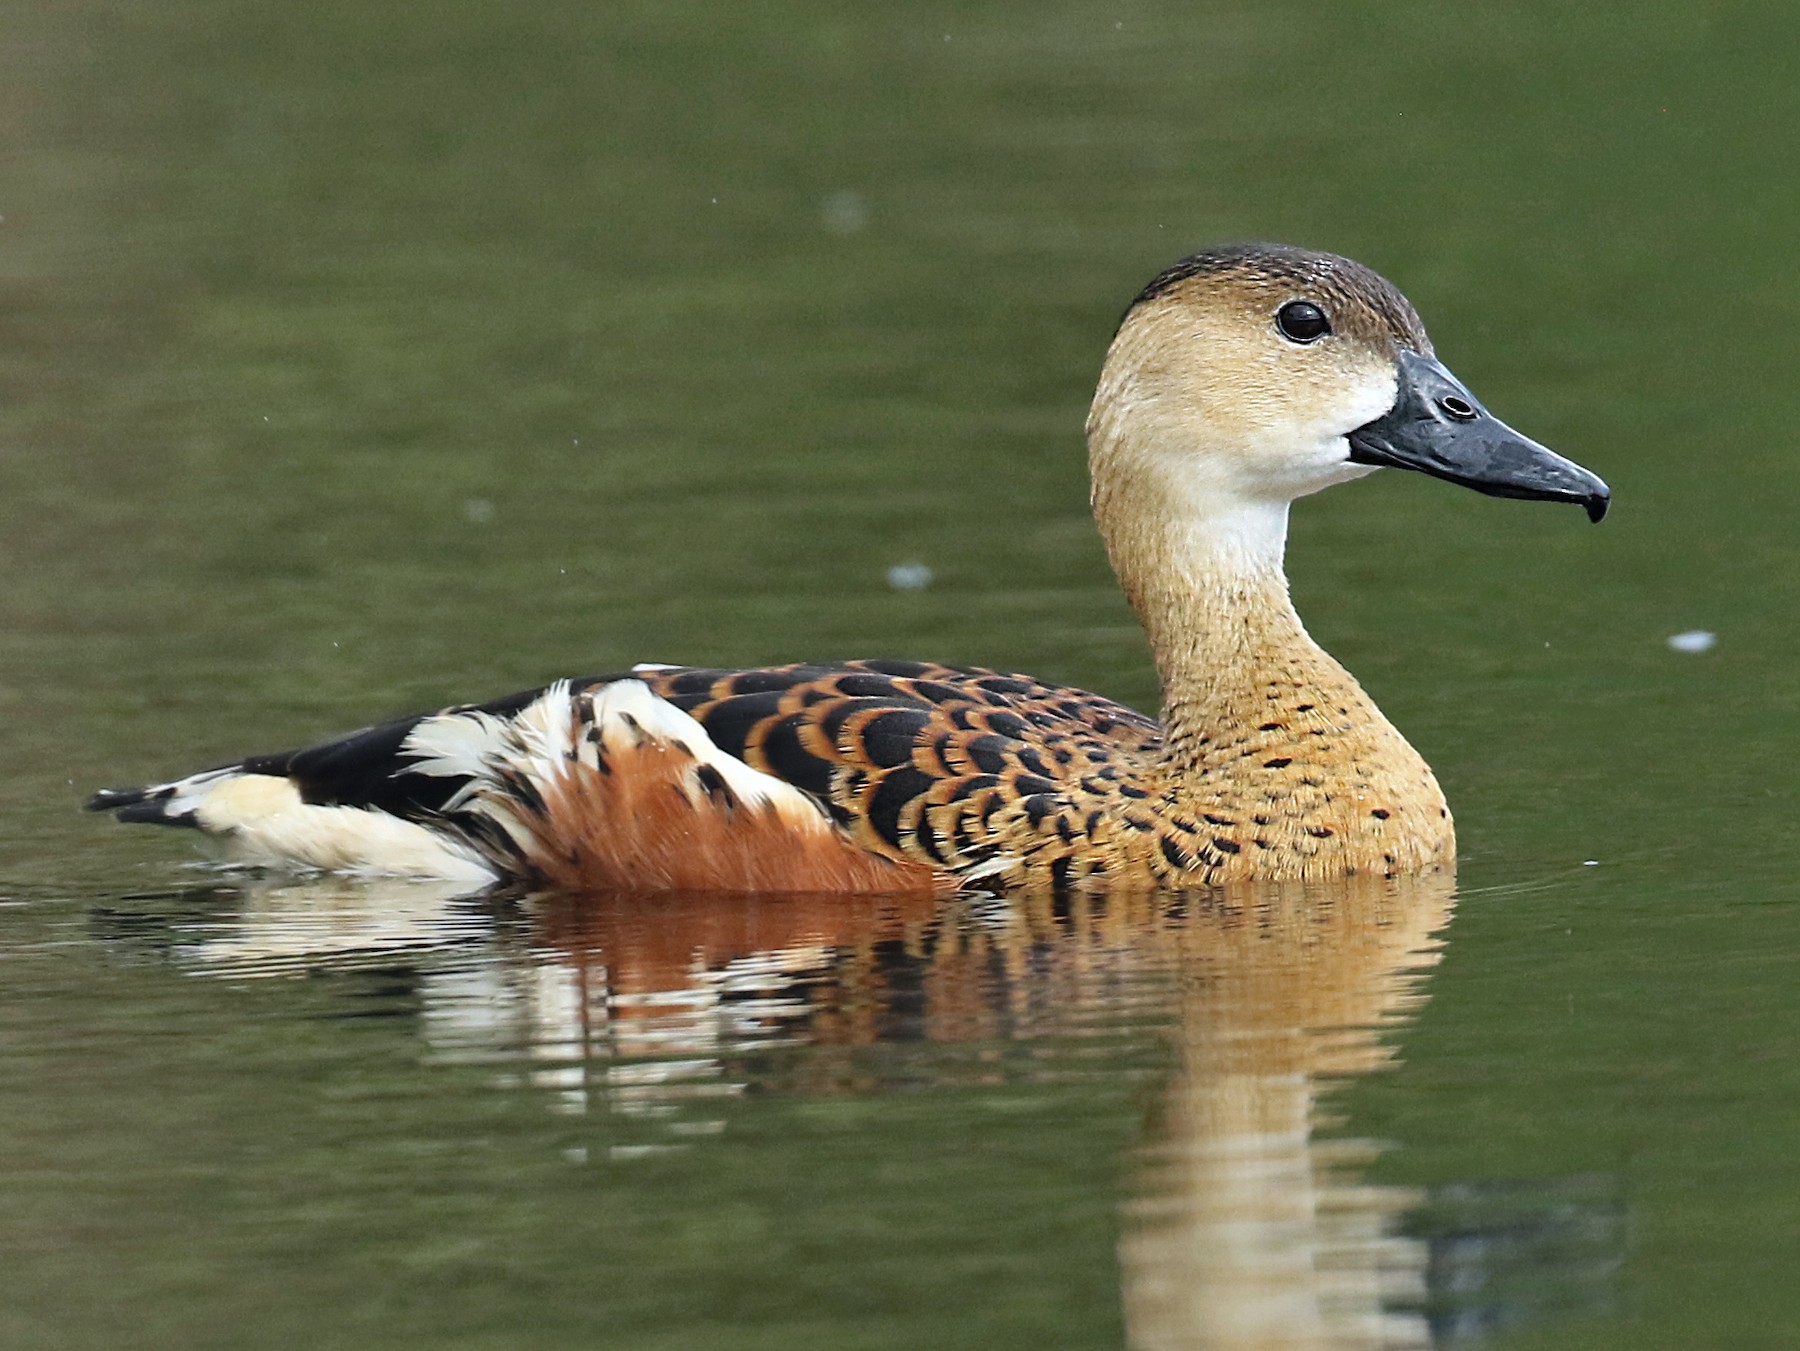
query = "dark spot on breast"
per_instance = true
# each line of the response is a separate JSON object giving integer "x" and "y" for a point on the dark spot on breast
{"x": 1271, "y": 727}
{"x": 1380, "y": 813}
{"x": 1320, "y": 832}
{"x": 1132, "y": 790}
{"x": 1031, "y": 760}
{"x": 1260, "y": 820}
{"x": 1059, "y": 872}
{"x": 1261, "y": 843}
{"x": 1175, "y": 853}
{"x": 1092, "y": 824}
{"x": 1038, "y": 807}
{"x": 1226, "y": 846}
{"x": 1280, "y": 762}
{"x": 1210, "y": 819}
{"x": 1303, "y": 708}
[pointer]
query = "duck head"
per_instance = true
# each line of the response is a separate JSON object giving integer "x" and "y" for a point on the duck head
{"x": 1246, "y": 376}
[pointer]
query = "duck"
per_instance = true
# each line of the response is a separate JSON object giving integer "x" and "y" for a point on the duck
{"x": 1241, "y": 378}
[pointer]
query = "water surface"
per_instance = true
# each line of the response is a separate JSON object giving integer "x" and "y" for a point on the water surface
{"x": 357, "y": 360}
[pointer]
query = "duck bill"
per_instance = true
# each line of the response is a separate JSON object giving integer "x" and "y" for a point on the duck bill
{"x": 1437, "y": 427}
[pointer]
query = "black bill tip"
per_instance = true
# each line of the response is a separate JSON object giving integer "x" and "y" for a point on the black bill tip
{"x": 1438, "y": 427}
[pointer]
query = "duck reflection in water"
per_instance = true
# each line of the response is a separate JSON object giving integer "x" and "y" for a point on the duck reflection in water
{"x": 1247, "y": 1231}
{"x": 1241, "y": 1229}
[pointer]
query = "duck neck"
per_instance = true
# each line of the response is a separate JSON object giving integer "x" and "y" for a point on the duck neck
{"x": 1211, "y": 591}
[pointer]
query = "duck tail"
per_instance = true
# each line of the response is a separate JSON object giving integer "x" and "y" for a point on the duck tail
{"x": 176, "y": 803}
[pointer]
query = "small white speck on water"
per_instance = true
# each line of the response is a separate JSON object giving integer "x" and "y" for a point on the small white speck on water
{"x": 715, "y": 201}
{"x": 1590, "y": 863}
{"x": 844, "y": 213}
{"x": 478, "y": 511}
{"x": 1694, "y": 640}
{"x": 562, "y": 572}
{"x": 909, "y": 576}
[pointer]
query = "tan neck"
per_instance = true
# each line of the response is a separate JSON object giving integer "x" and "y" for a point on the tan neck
{"x": 1210, "y": 590}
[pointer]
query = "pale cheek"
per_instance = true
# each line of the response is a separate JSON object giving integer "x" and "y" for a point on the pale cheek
{"x": 1339, "y": 471}
{"x": 1307, "y": 469}
{"x": 1370, "y": 397}
{"x": 1315, "y": 453}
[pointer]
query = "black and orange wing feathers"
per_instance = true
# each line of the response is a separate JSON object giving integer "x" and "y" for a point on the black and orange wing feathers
{"x": 955, "y": 767}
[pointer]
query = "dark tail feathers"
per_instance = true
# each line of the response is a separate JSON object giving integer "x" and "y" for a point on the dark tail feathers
{"x": 140, "y": 805}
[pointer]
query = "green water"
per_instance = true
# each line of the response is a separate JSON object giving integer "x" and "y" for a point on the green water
{"x": 362, "y": 358}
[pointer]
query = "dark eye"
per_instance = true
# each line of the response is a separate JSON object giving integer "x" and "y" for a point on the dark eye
{"x": 1302, "y": 321}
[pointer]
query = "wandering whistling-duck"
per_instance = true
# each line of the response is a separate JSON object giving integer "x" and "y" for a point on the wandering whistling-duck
{"x": 1240, "y": 379}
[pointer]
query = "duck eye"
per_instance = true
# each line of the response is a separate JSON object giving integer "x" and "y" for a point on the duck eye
{"x": 1302, "y": 321}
